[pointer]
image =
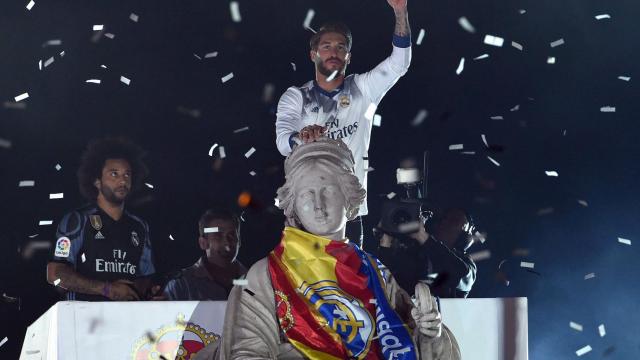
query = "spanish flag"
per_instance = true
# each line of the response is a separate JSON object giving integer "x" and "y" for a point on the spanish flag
{"x": 331, "y": 303}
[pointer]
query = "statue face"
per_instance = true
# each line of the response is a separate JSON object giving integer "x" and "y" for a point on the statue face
{"x": 320, "y": 203}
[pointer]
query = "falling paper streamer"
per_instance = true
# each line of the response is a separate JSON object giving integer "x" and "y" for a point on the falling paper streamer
{"x": 583, "y": 350}
{"x": 45, "y": 222}
{"x": 197, "y": 56}
{"x": 252, "y": 173}
{"x": 527, "y": 265}
{"x": 377, "y": 120}
{"x": 210, "y": 230}
{"x": 26, "y": 183}
{"x": 516, "y": 45}
{"x": 56, "y": 282}
{"x": 456, "y": 147}
{"x": 391, "y": 195}
{"x": 62, "y": 54}
{"x": 484, "y": 140}
{"x": 483, "y": 56}
{"x": 171, "y": 237}
{"x": 497, "y": 117}
{"x": 125, "y": 80}
{"x": 110, "y": 35}
{"x": 420, "y": 117}
{"x": 603, "y": 16}
{"x": 93, "y": 81}
{"x": 589, "y": 276}
{"x": 583, "y": 203}
{"x": 240, "y": 130}
{"x": 30, "y": 5}
{"x": 551, "y": 173}
{"x": 4, "y": 143}
{"x": 56, "y": 196}
{"x": 234, "y": 7}
{"x": 465, "y": 24}
{"x": 222, "y": 152}
{"x": 493, "y": 161}
{"x": 551, "y": 60}
{"x": 493, "y": 40}
{"x": 240, "y": 282}
{"x": 460, "y": 67}
{"x": 333, "y": 75}
{"x": 133, "y": 17}
{"x": 575, "y": 326}
{"x": 306, "y": 24}
{"x": 52, "y": 42}
{"x": 371, "y": 111}
{"x": 227, "y": 77}
{"x": 608, "y": 109}
{"x": 545, "y": 211}
{"x": 21, "y": 97}
{"x": 293, "y": 66}
{"x": 211, "y": 55}
{"x": 480, "y": 255}
{"x": 601, "y": 330}
{"x": 557, "y": 43}
{"x": 250, "y": 152}
{"x": 624, "y": 241}
{"x": 39, "y": 64}
{"x": 48, "y": 62}
{"x": 149, "y": 185}
{"x": 212, "y": 148}
{"x": 624, "y": 78}
{"x": 420, "y": 37}
{"x": 98, "y": 27}
{"x": 83, "y": 257}
{"x": 276, "y": 202}
{"x": 522, "y": 11}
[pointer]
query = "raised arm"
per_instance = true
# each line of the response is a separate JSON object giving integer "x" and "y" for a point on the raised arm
{"x": 402, "y": 17}
{"x": 288, "y": 119}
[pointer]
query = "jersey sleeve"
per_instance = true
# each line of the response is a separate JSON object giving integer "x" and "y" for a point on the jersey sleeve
{"x": 146, "y": 260}
{"x": 375, "y": 83}
{"x": 288, "y": 119}
{"x": 69, "y": 238}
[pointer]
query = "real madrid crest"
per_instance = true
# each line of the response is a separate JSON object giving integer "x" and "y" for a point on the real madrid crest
{"x": 135, "y": 240}
{"x": 344, "y": 101}
{"x": 96, "y": 222}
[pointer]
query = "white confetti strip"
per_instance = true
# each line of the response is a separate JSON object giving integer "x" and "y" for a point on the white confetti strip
{"x": 583, "y": 350}
{"x": 603, "y": 16}
{"x": 420, "y": 37}
{"x": 133, "y": 17}
{"x": 484, "y": 140}
{"x": 234, "y": 7}
{"x": 333, "y": 75}
{"x": 371, "y": 111}
{"x": 4, "y": 341}
{"x": 240, "y": 130}
{"x": 493, "y": 40}
{"x": 575, "y": 326}
{"x": 608, "y": 109}
{"x": 456, "y": 146}
{"x": 30, "y": 5}
{"x": 522, "y": 11}
{"x": 45, "y": 222}
{"x": 466, "y": 25}
{"x": 150, "y": 186}
{"x": 551, "y": 173}
{"x": 98, "y": 27}
{"x": 377, "y": 120}
{"x": 493, "y": 161}
{"x": 545, "y": 211}
{"x": 420, "y": 117}
{"x": 103, "y": 66}
{"x": 171, "y": 237}
{"x": 212, "y": 148}
{"x": 468, "y": 152}
{"x": 497, "y": 117}
{"x": 515, "y": 108}
{"x": 93, "y": 81}
{"x": 293, "y": 66}
{"x": 601, "y": 330}
{"x": 4, "y": 143}
{"x": 56, "y": 282}
{"x": 516, "y": 45}
{"x": 306, "y": 24}
{"x": 33, "y": 236}
{"x": 21, "y": 97}
{"x": 52, "y": 42}
{"x": 58, "y": 167}
{"x": 551, "y": 60}
{"x": 240, "y": 282}
{"x": 589, "y": 276}
{"x": 83, "y": 257}
{"x": 209, "y": 230}
{"x": 26, "y": 183}
{"x": 125, "y": 80}
{"x": 227, "y": 77}
{"x": 583, "y": 203}
{"x": 483, "y": 56}
{"x": 252, "y": 173}
{"x": 110, "y": 35}
{"x": 197, "y": 56}
{"x": 222, "y": 153}
{"x": 39, "y": 64}
{"x": 211, "y": 55}
{"x": 480, "y": 255}
{"x": 624, "y": 241}
{"x": 56, "y": 196}
{"x": 276, "y": 202}
{"x": 391, "y": 195}
{"x": 250, "y": 152}
{"x": 624, "y": 78}
{"x": 409, "y": 227}
{"x": 48, "y": 62}
{"x": 556, "y": 43}
{"x": 527, "y": 265}
{"x": 61, "y": 53}
{"x": 460, "y": 67}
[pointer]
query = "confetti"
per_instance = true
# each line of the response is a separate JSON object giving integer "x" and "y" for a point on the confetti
{"x": 39, "y": 64}
{"x": 48, "y": 62}
{"x": 493, "y": 40}
{"x": 575, "y": 326}
{"x": 391, "y": 195}
{"x": 468, "y": 152}
{"x": 5, "y": 338}
{"x": 52, "y": 42}
{"x": 268, "y": 92}
{"x": 212, "y": 148}
{"x": 222, "y": 152}
{"x": 61, "y": 53}
{"x": 603, "y": 16}
{"x": 583, "y": 350}
{"x": 252, "y": 173}
{"x": 419, "y": 118}
{"x": 551, "y": 173}
{"x": 234, "y": 7}
{"x": 527, "y": 265}
{"x": 551, "y": 60}
{"x": 498, "y": 117}
{"x": 211, "y": 55}
{"x": 545, "y": 211}
{"x": 240, "y": 130}
{"x": 98, "y": 27}
{"x": 240, "y": 282}
{"x": 197, "y": 56}
{"x": 56, "y": 282}
{"x": 460, "y": 67}
{"x": 483, "y": 56}
{"x": 32, "y": 236}
{"x": 624, "y": 78}
{"x": 133, "y": 17}
{"x": 377, "y": 120}
{"x": 227, "y": 77}
{"x": 209, "y": 230}
{"x": 522, "y": 11}
{"x": 58, "y": 167}
{"x": 250, "y": 152}
{"x": 33, "y": 246}
{"x": 516, "y": 45}
{"x": 30, "y": 5}
{"x": 83, "y": 257}
{"x": 149, "y": 185}
{"x": 456, "y": 147}
{"x": 56, "y": 196}
{"x": 293, "y": 66}
{"x": 420, "y": 37}
{"x": 624, "y": 241}
{"x": 125, "y": 80}
{"x": 110, "y": 35}
{"x": 306, "y": 24}
{"x": 493, "y": 161}
{"x": 4, "y": 143}
{"x": 556, "y": 43}
{"x": 93, "y": 81}
{"x": 484, "y": 140}
{"x": 480, "y": 255}
{"x": 27, "y": 183}
{"x": 583, "y": 203}
{"x": 409, "y": 227}
{"x": 276, "y": 202}
{"x": 371, "y": 111}
{"x": 465, "y": 24}
{"x": 171, "y": 237}
{"x": 520, "y": 252}
{"x": 333, "y": 75}
{"x": 601, "y": 330}
{"x": 103, "y": 66}
{"x": 589, "y": 276}
{"x": 21, "y": 97}
{"x": 608, "y": 109}
{"x": 45, "y": 222}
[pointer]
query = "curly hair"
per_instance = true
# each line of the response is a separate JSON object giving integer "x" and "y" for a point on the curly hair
{"x": 350, "y": 186}
{"x": 333, "y": 27}
{"x": 96, "y": 155}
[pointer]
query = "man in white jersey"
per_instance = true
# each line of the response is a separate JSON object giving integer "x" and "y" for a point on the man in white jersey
{"x": 340, "y": 106}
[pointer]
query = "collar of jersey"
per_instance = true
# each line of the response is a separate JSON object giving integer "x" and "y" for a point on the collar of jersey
{"x": 327, "y": 93}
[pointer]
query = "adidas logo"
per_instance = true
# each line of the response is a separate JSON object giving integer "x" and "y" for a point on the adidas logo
{"x": 99, "y": 235}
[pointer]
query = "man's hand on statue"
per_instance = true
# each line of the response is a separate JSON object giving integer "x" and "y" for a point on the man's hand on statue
{"x": 398, "y": 4}
{"x": 425, "y": 314}
{"x": 156, "y": 294}
{"x": 122, "y": 290}
{"x": 311, "y": 133}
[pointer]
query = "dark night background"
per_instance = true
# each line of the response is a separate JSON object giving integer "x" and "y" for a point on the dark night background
{"x": 176, "y": 107}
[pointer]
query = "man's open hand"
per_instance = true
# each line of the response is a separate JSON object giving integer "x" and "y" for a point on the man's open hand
{"x": 398, "y": 4}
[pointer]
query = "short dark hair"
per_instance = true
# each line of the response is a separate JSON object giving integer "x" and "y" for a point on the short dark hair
{"x": 218, "y": 214}
{"x": 333, "y": 27}
{"x": 96, "y": 155}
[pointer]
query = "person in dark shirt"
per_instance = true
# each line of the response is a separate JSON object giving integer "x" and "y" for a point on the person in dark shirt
{"x": 211, "y": 277}
{"x": 103, "y": 252}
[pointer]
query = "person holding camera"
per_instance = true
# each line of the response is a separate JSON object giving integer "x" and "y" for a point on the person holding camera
{"x": 439, "y": 259}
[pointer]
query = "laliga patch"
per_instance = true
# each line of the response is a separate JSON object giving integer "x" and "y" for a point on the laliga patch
{"x": 344, "y": 101}
{"x": 63, "y": 247}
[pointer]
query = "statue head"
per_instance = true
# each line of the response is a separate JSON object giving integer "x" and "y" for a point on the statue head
{"x": 320, "y": 192}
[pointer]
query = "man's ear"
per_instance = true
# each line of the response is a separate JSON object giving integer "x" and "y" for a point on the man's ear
{"x": 97, "y": 183}
{"x": 313, "y": 54}
{"x": 202, "y": 242}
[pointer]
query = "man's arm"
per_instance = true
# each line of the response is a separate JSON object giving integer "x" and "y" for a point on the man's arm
{"x": 70, "y": 280}
{"x": 402, "y": 17}
{"x": 288, "y": 119}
